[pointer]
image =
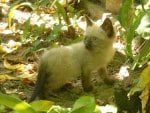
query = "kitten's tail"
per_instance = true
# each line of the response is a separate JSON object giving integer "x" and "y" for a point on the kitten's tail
{"x": 39, "y": 84}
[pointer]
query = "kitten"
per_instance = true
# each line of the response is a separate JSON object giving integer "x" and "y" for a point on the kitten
{"x": 59, "y": 65}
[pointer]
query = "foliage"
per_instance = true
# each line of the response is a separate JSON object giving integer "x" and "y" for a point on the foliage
{"x": 14, "y": 7}
{"x": 132, "y": 19}
{"x": 143, "y": 85}
{"x": 54, "y": 34}
{"x": 16, "y": 104}
{"x": 31, "y": 33}
{"x": 44, "y": 105}
{"x": 85, "y": 104}
{"x": 136, "y": 22}
{"x": 37, "y": 34}
{"x": 144, "y": 81}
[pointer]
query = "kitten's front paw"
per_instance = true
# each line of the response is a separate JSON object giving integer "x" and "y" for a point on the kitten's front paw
{"x": 88, "y": 88}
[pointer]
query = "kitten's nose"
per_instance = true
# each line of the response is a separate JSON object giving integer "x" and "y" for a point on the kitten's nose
{"x": 88, "y": 44}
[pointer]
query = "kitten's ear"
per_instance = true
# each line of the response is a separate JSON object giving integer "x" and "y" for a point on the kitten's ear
{"x": 108, "y": 27}
{"x": 89, "y": 21}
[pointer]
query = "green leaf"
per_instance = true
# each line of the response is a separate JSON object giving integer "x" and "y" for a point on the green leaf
{"x": 130, "y": 33}
{"x": 54, "y": 34}
{"x": 42, "y": 105}
{"x": 2, "y": 108}
{"x": 85, "y": 104}
{"x": 61, "y": 10}
{"x": 26, "y": 31}
{"x": 144, "y": 54}
{"x": 142, "y": 3}
{"x": 13, "y": 8}
{"x": 16, "y": 104}
{"x": 123, "y": 16}
{"x": 44, "y": 2}
{"x": 129, "y": 37}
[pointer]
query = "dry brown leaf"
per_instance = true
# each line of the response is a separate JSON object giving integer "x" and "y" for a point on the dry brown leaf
{"x": 11, "y": 67}
{"x": 5, "y": 77}
{"x": 1, "y": 49}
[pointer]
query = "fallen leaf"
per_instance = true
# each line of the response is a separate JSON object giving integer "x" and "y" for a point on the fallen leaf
{"x": 9, "y": 66}
{"x": 28, "y": 81}
{"x": 1, "y": 49}
{"x": 5, "y": 77}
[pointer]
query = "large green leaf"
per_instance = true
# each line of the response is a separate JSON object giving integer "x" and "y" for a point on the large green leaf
{"x": 85, "y": 104}
{"x": 16, "y": 104}
{"x": 42, "y": 105}
{"x": 123, "y": 16}
{"x": 61, "y": 10}
{"x": 144, "y": 30}
{"x": 131, "y": 32}
{"x": 56, "y": 31}
{"x": 142, "y": 3}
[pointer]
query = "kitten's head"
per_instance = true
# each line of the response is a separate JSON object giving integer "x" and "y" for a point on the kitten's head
{"x": 97, "y": 36}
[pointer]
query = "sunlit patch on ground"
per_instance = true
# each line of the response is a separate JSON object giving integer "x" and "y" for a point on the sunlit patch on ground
{"x": 108, "y": 109}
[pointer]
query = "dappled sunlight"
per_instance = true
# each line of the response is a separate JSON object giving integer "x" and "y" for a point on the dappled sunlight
{"x": 35, "y": 19}
{"x": 108, "y": 109}
{"x": 10, "y": 46}
{"x": 3, "y": 29}
{"x": 123, "y": 72}
{"x": 119, "y": 47}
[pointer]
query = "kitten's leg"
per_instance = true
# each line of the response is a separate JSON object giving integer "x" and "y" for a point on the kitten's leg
{"x": 104, "y": 75}
{"x": 86, "y": 81}
{"x": 102, "y": 72}
{"x": 47, "y": 92}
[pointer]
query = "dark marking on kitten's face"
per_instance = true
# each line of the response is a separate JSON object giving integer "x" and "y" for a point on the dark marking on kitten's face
{"x": 90, "y": 42}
